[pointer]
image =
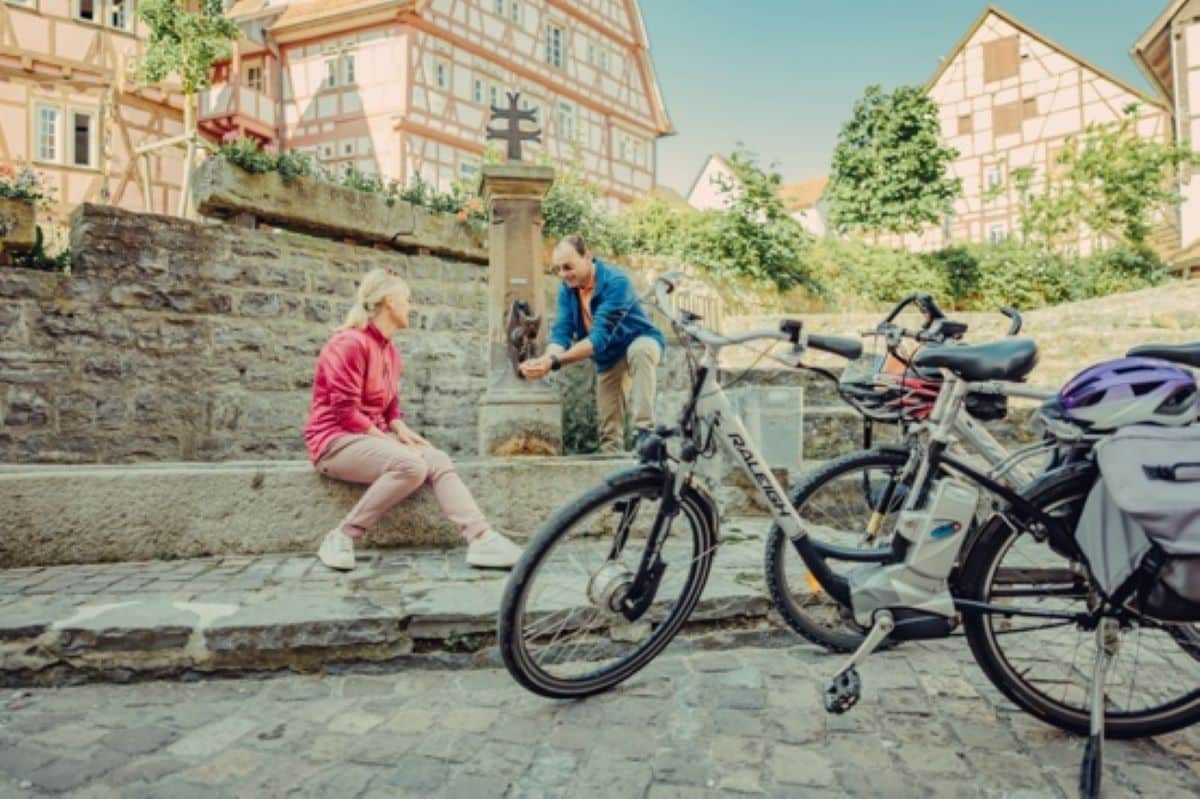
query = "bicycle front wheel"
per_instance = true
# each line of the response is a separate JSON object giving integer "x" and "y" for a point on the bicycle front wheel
{"x": 562, "y": 631}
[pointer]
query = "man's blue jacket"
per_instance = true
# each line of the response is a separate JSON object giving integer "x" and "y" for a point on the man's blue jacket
{"x": 617, "y": 318}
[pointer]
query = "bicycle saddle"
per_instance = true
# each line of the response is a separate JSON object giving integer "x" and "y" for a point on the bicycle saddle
{"x": 1011, "y": 359}
{"x": 1186, "y": 354}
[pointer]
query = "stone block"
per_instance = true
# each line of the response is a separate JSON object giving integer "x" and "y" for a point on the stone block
{"x": 84, "y": 514}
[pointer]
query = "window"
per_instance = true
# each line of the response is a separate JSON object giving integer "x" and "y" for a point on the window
{"x": 118, "y": 14}
{"x": 49, "y": 128}
{"x": 566, "y": 121}
{"x": 604, "y": 59}
{"x": 494, "y": 95}
{"x": 623, "y": 147}
{"x": 441, "y": 74}
{"x": 637, "y": 153}
{"x": 348, "y": 69}
{"x": 347, "y": 146}
{"x": 966, "y": 124}
{"x": 1001, "y": 59}
{"x": 21, "y": 2}
{"x": 995, "y": 176}
{"x": 327, "y": 150}
{"x": 592, "y": 53}
{"x": 254, "y": 78}
{"x": 83, "y": 137}
{"x": 500, "y": 8}
{"x": 518, "y": 13}
{"x": 554, "y": 46}
{"x": 477, "y": 90}
{"x": 467, "y": 169}
{"x": 330, "y": 73}
{"x": 997, "y": 234}
{"x": 1007, "y": 118}
{"x": 85, "y": 10}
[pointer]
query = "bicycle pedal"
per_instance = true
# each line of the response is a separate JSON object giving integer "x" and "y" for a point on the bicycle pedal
{"x": 843, "y": 692}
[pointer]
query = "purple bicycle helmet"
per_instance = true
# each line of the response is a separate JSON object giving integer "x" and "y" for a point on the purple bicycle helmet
{"x": 1130, "y": 391}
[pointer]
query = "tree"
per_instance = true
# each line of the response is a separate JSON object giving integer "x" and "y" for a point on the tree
{"x": 889, "y": 166}
{"x": 1110, "y": 180}
{"x": 186, "y": 44}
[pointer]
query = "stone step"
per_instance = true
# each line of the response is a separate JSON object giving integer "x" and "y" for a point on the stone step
{"x": 126, "y": 621}
{"x": 92, "y": 514}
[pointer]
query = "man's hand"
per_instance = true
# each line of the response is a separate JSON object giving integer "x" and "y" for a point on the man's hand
{"x": 406, "y": 436}
{"x": 535, "y": 368}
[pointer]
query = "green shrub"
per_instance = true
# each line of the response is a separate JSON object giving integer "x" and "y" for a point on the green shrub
{"x": 854, "y": 274}
{"x": 249, "y": 155}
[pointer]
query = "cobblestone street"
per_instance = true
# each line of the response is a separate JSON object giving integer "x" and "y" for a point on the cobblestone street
{"x": 705, "y": 723}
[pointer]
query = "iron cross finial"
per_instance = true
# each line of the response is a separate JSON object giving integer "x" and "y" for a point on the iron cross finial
{"x": 513, "y": 135}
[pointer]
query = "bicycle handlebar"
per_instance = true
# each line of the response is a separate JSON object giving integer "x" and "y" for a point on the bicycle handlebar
{"x": 1015, "y": 315}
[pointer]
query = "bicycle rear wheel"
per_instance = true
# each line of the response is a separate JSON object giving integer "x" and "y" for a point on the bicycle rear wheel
{"x": 838, "y": 502}
{"x": 561, "y": 631}
{"x": 1044, "y": 666}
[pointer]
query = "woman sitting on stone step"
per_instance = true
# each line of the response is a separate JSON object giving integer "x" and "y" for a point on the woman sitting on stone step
{"x": 356, "y": 431}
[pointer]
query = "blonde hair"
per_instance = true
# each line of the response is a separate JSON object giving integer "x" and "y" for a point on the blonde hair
{"x": 372, "y": 289}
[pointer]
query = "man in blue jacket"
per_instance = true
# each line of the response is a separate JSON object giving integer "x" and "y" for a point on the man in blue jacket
{"x": 599, "y": 317}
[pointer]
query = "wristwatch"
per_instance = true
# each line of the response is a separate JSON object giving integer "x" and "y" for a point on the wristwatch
{"x": 555, "y": 363}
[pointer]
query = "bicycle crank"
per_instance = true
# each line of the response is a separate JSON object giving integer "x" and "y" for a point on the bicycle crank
{"x": 844, "y": 690}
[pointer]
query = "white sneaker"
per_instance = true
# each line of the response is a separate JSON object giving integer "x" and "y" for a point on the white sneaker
{"x": 492, "y": 551}
{"x": 337, "y": 551}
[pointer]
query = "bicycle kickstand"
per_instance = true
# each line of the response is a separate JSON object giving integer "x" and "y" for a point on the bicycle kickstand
{"x": 1091, "y": 771}
{"x": 845, "y": 687}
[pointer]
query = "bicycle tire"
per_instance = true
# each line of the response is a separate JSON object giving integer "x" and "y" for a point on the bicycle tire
{"x": 695, "y": 507}
{"x": 996, "y": 540}
{"x": 800, "y": 617}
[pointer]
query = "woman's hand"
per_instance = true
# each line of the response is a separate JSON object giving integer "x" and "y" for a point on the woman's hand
{"x": 406, "y": 436}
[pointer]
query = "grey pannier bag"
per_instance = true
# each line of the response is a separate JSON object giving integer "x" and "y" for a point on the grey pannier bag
{"x": 1140, "y": 528}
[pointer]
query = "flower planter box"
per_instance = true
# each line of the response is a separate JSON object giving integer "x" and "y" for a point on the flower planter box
{"x": 314, "y": 206}
{"x": 18, "y": 232}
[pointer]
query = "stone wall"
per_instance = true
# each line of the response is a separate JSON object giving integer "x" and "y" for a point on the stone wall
{"x": 176, "y": 340}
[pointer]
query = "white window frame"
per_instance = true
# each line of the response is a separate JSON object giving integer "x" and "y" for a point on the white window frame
{"x": 331, "y": 74}
{"x": 349, "y": 70}
{"x": 477, "y": 90}
{"x": 995, "y": 176}
{"x": 556, "y": 49}
{"x": 591, "y": 50}
{"x": 997, "y": 233}
{"x": 604, "y": 58}
{"x": 93, "y": 138}
{"x": 56, "y": 156}
{"x": 255, "y": 78}
{"x": 441, "y": 74}
{"x": 566, "y": 121}
{"x": 97, "y": 12}
{"x": 128, "y": 9}
{"x": 30, "y": 4}
{"x": 518, "y": 12}
{"x": 501, "y": 8}
{"x": 494, "y": 95}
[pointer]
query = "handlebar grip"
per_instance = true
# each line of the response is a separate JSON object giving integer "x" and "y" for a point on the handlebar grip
{"x": 1015, "y": 315}
{"x": 848, "y": 348}
{"x": 929, "y": 308}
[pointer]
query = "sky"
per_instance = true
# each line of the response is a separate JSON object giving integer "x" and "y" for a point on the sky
{"x": 781, "y": 76}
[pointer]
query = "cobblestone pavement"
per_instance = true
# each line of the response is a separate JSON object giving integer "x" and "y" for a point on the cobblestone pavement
{"x": 714, "y": 723}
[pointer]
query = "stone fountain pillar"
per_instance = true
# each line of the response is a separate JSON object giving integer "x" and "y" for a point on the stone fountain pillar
{"x": 516, "y": 416}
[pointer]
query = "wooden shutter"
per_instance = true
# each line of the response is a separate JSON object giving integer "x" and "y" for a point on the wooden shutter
{"x": 1030, "y": 108}
{"x": 1007, "y": 118}
{"x": 1001, "y": 59}
{"x": 966, "y": 124}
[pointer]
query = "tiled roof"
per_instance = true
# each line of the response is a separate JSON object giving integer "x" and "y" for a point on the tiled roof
{"x": 805, "y": 194}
